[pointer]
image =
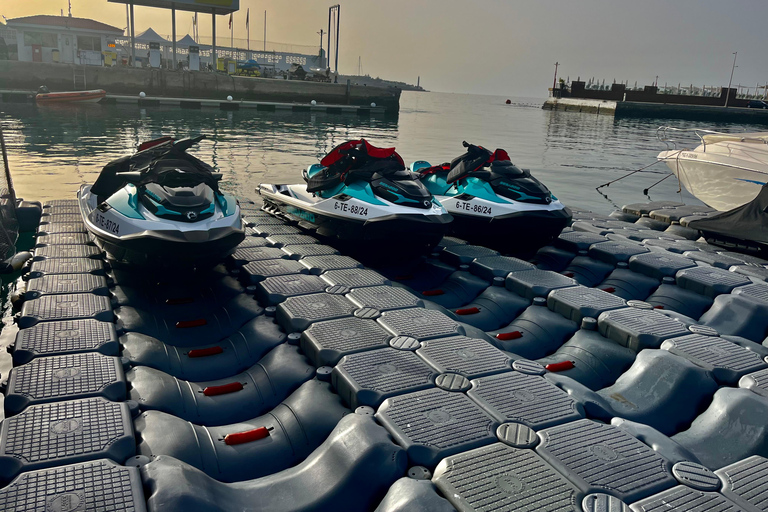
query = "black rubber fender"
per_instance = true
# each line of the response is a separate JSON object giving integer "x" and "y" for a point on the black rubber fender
{"x": 349, "y": 472}
{"x": 209, "y": 360}
{"x": 293, "y": 429}
{"x": 219, "y": 402}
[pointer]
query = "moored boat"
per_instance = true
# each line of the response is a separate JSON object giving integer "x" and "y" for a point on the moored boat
{"x": 48, "y": 98}
{"x": 725, "y": 171}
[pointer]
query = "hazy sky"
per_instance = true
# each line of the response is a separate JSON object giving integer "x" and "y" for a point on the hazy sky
{"x": 504, "y": 47}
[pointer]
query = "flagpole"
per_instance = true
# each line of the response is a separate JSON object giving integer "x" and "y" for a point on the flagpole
{"x": 232, "y": 32}
{"x": 265, "y": 31}
{"x": 248, "y": 27}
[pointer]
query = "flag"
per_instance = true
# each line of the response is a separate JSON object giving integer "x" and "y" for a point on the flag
{"x": 247, "y": 15}
{"x": 230, "y": 20}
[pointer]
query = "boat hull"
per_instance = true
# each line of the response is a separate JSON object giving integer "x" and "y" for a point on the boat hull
{"x": 718, "y": 180}
{"x": 54, "y": 98}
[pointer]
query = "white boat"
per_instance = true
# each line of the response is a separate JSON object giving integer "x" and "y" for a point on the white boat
{"x": 725, "y": 171}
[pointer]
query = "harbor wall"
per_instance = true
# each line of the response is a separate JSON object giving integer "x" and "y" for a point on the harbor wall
{"x": 650, "y": 94}
{"x": 29, "y": 76}
{"x": 704, "y": 113}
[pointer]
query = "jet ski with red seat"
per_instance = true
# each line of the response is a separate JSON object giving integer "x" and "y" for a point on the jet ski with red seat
{"x": 362, "y": 195}
{"x": 493, "y": 202}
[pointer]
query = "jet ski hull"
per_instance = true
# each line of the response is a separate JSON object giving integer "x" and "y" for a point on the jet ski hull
{"x": 521, "y": 232}
{"x": 359, "y": 226}
{"x": 150, "y": 241}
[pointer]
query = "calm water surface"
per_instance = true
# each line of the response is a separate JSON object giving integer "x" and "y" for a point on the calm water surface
{"x": 55, "y": 149}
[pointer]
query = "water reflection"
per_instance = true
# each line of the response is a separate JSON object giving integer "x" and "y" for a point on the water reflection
{"x": 54, "y": 150}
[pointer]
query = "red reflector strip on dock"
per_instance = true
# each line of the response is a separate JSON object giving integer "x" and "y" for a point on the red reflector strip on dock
{"x": 180, "y": 300}
{"x": 185, "y": 324}
{"x": 569, "y": 274}
{"x": 205, "y": 352}
{"x": 467, "y": 311}
{"x": 610, "y": 289}
{"x": 506, "y": 336}
{"x": 224, "y": 389}
{"x": 247, "y": 436}
{"x": 432, "y": 293}
{"x": 560, "y": 367}
{"x": 658, "y": 307}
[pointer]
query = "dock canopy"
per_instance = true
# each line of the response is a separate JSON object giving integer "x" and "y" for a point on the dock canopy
{"x": 206, "y": 6}
{"x": 186, "y": 42}
{"x": 150, "y": 36}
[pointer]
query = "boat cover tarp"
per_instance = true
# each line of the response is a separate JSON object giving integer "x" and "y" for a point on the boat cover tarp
{"x": 757, "y": 137}
{"x": 748, "y": 222}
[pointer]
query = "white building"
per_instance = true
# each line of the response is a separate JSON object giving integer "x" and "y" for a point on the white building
{"x": 45, "y": 38}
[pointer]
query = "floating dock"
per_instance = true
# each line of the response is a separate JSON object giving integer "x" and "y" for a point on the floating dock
{"x": 623, "y": 368}
{"x": 221, "y": 104}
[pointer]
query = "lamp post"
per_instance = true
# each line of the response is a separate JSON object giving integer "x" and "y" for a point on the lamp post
{"x": 728, "y": 92}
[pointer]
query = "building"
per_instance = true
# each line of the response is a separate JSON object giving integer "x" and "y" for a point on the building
{"x": 45, "y": 38}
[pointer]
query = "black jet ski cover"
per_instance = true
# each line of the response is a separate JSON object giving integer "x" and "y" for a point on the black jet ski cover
{"x": 746, "y": 223}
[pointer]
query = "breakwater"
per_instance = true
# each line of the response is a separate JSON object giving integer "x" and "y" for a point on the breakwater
{"x": 28, "y": 76}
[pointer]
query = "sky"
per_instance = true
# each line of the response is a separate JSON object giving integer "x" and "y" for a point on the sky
{"x": 499, "y": 47}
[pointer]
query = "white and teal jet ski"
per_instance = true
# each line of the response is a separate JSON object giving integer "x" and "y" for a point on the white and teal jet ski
{"x": 362, "y": 195}
{"x": 493, "y": 202}
{"x": 162, "y": 207}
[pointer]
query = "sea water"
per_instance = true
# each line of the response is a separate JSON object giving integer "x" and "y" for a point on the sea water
{"x": 55, "y": 149}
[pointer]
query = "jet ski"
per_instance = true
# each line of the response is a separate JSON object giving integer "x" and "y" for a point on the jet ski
{"x": 362, "y": 197}
{"x": 493, "y": 202}
{"x": 162, "y": 207}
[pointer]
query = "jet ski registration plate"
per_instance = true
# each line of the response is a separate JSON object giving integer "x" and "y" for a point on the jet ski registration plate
{"x": 354, "y": 209}
{"x": 468, "y": 206}
{"x": 106, "y": 224}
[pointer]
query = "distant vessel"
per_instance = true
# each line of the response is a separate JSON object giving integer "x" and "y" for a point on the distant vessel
{"x": 47, "y": 98}
{"x": 725, "y": 171}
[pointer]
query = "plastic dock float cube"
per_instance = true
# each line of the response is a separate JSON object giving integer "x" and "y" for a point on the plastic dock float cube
{"x": 64, "y": 239}
{"x": 727, "y": 361}
{"x": 685, "y": 499}
{"x": 464, "y": 254}
{"x": 256, "y": 271}
{"x": 61, "y": 227}
{"x": 296, "y": 252}
{"x": 66, "y": 266}
{"x": 469, "y": 357}
{"x": 710, "y": 281}
{"x": 67, "y": 251}
{"x": 615, "y": 251}
{"x": 320, "y": 264}
{"x": 530, "y": 400}
{"x": 637, "y": 328}
{"x": 97, "y": 485}
{"x": 434, "y": 424}
{"x": 577, "y": 302}
{"x": 384, "y": 298}
{"x": 66, "y": 284}
{"x": 65, "y": 307}
{"x": 275, "y": 229}
{"x": 354, "y": 278}
{"x": 576, "y": 241}
{"x": 244, "y": 255}
{"x": 60, "y": 218}
{"x": 659, "y": 264}
{"x": 65, "y": 337}
{"x": 283, "y": 240}
{"x": 600, "y": 458}
{"x": 489, "y": 267}
{"x": 537, "y": 283}
{"x": 422, "y": 324}
{"x": 274, "y": 290}
{"x": 500, "y": 477}
{"x": 297, "y": 313}
{"x": 65, "y": 433}
{"x": 68, "y": 377}
{"x": 368, "y": 378}
{"x": 325, "y": 343}
{"x": 746, "y": 483}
